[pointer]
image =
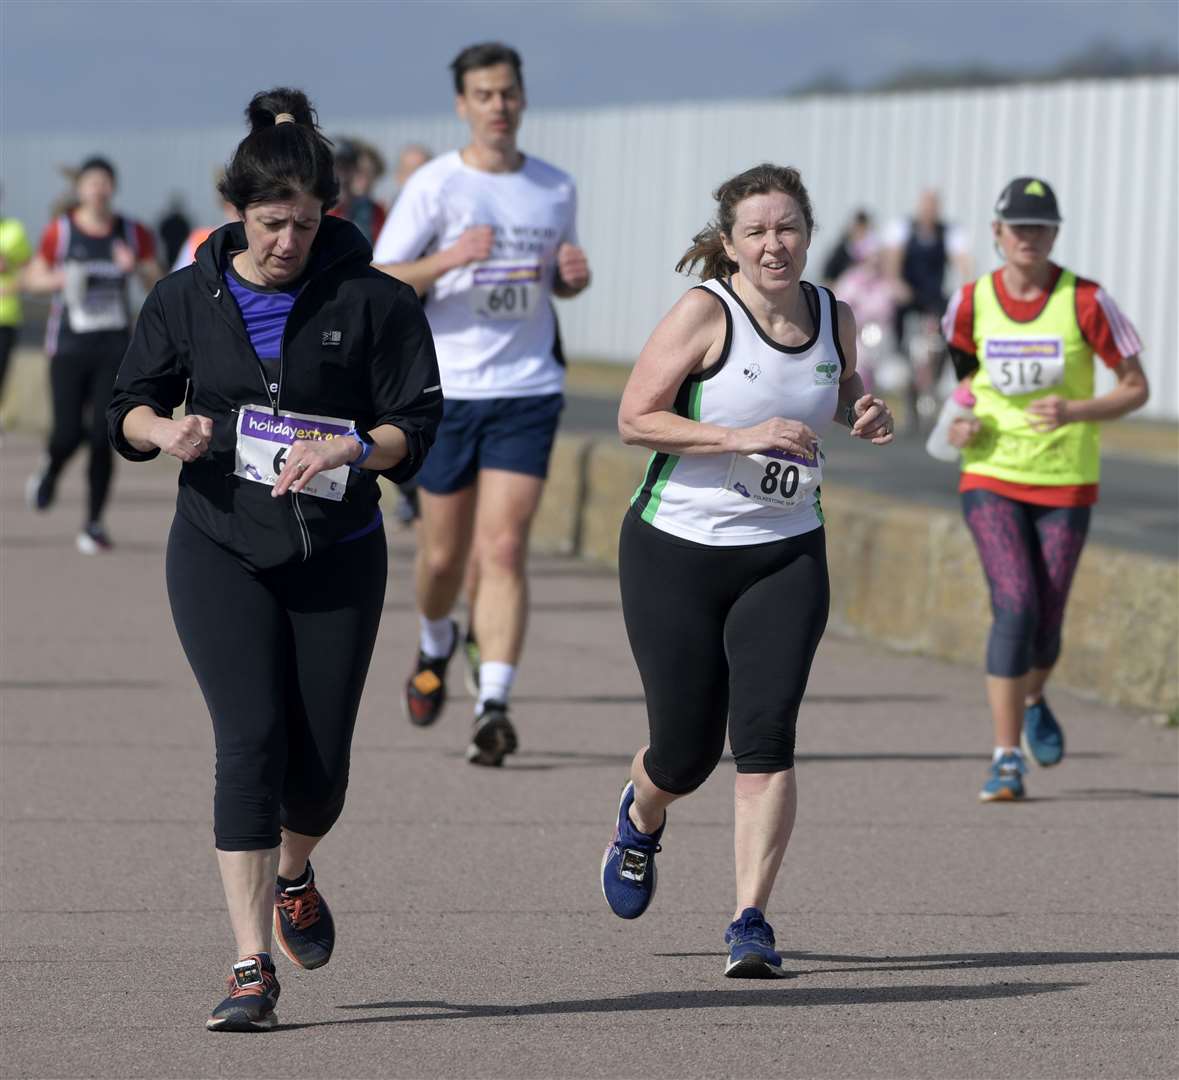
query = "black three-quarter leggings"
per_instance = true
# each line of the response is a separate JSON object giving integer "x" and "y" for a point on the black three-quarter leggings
{"x": 721, "y": 633}
{"x": 281, "y": 656}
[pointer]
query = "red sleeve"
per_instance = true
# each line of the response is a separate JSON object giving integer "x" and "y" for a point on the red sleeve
{"x": 1109, "y": 333}
{"x": 958, "y": 321}
{"x": 379, "y": 215}
{"x": 145, "y": 243}
{"x": 50, "y": 238}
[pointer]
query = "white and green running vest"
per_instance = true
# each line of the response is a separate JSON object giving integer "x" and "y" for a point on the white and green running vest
{"x": 731, "y": 499}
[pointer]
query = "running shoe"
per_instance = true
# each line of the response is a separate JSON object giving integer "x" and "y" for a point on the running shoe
{"x": 253, "y": 994}
{"x": 303, "y": 924}
{"x": 493, "y": 737}
{"x": 425, "y": 690}
{"x": 40, "y": 491}
{"x": 1005, "y": 781}
{"x": 628, "y": 865}
{"x": 751, "y": 948}
{"x": 1043, "y": 738}
{"x": 93, "y": 540}
{"x": 471, "y": 653}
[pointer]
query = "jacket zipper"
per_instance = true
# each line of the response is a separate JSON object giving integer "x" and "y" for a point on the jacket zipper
{"x": 304, "y": 532}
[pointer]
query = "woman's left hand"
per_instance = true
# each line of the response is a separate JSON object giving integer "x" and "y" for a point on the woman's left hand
{"x": 874, "y": 421}
{"x": 1049, "y": 413}
{"x": 307, "y": 457}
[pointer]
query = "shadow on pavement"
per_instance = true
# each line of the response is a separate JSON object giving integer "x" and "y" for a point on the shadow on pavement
{"x": 695, "y": 999}
{"x": 950, "y": 961}
{"x": 1111, "y": 794}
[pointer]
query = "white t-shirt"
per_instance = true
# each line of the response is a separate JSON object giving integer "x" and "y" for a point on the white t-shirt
{"x": 493, "y": 322}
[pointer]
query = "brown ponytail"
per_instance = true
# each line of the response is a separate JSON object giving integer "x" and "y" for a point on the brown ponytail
{"x": 708, "y": 247}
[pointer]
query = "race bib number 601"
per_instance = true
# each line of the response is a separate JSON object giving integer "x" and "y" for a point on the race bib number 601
{"x": 1024, "y": 365}
{"x": 505, "y": 290}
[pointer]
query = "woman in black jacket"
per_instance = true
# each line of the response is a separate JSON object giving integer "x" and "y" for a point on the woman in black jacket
{"x": 304, "y": 374}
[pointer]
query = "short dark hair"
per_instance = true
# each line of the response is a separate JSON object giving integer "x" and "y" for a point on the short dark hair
{"x": 97, "y": 162}
{"x": 485, "y": 55}
{"x": 277, "y": 161}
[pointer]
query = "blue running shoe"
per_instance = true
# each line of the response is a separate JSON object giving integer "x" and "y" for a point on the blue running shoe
{"x": 253, "y": 994}
{"x": 628, "y": 866}
{"x": 1043, "y": 738}
{"x": 751, "y": 948}
{"x": 1005, "y": 782}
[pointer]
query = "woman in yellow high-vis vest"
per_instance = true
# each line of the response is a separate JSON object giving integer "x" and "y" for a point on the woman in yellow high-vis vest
{"x": 1026, "y": 337}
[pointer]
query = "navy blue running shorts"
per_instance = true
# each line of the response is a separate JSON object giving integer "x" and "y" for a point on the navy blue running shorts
{"x": 513, "y": 434}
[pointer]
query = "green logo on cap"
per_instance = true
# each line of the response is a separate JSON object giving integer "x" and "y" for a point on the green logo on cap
{"x": 1035, "y": 188}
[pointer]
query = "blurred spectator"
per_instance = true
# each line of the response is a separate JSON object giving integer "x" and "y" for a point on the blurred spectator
{"x": 173, "y": 229}
{"x": 872, "y": 294}
{"x": 411, "y": 157}
{"x": 919, "y": 251}
{"x": 855, "y": 242}
{"x": 14, "y": 253}
{"x": 201, "y": 233}
{"x": 358, "y": 166}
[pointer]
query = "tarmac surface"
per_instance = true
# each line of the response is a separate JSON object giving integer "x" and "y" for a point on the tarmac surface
{"x": 926, "y": 935}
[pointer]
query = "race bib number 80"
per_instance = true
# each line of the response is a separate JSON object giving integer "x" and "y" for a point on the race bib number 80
{"x": 1024, "y": 365}
{"x": 505, "y": 290}
{"x": 775, "y": 478}
{"x": 264, "y": 440}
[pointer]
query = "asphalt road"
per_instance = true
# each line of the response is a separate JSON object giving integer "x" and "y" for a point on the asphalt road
{"x": 926, "y": 935}
{"x": 1138, "y": 508}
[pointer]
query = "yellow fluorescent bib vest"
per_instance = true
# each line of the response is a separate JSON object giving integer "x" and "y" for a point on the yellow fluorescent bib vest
{"x": 1018, "y": 363}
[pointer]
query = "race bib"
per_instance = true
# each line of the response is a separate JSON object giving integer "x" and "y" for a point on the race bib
{"x": 775, "y": 478}
{"x": 94, "y": 296}
{"x": 1024, "y": 365}
{"x": 505, "y": 289}
{"x": 264, "y": 440}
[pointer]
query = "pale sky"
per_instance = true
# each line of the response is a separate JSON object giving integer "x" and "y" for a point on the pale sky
{"x": 68, "y": 66}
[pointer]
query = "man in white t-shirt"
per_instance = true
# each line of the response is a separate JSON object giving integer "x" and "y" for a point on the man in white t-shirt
{"x": 488, "y": 237}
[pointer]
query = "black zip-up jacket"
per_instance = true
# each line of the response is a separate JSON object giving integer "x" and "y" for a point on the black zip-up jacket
{"x": 356, "y": 346}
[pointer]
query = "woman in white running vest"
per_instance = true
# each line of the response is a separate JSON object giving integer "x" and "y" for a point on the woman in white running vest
{"x": 722, "y": 559}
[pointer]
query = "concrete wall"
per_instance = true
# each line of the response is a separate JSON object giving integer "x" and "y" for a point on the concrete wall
{"x": 908, "y": 577}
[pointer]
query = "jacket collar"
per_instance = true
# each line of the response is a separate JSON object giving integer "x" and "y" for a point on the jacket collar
{"x": 337, "y": 242}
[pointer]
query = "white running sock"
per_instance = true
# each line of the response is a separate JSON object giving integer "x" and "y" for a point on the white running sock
{"x": 437, "y": 637}
{"x": 495, "y": 682}
{"x": 999, "y": 751}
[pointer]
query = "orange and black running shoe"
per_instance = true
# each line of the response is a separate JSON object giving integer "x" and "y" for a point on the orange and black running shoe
{"x": 425, "y": 690}
{"x": 253, "y": 994}
{"x": 303, "y": 923}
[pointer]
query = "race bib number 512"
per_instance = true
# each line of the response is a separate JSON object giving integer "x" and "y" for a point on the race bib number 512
{"x": 1024, "y": 365}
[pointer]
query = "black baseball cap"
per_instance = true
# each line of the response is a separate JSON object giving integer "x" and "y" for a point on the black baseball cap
{"x": 1028, "y": 201}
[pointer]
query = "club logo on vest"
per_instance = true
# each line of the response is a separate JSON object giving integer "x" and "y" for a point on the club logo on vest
{"x": 331, "y": 337}
{"x": 826, "y": 373}
{"x": 752, "y": 371}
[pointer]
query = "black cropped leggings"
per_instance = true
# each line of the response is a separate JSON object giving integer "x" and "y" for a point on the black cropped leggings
{"x": 281, "y": 656}
{"x": 81, "y": 380}
{"x": 721, "y": 634}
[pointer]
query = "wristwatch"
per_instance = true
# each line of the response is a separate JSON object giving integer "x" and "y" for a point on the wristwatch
{"x": 366, "y": 448}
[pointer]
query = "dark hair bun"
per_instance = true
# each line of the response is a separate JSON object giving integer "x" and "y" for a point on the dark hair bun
{"x": 275, "y": 161}
{"x": 267, "y": 104}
